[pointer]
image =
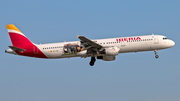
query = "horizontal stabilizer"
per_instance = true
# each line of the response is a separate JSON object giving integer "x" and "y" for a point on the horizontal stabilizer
{"x": 16, "y": 48}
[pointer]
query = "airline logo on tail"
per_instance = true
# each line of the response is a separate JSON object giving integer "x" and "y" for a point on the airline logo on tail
{"x": 21, "y": 44}
{"x": 18, "y": 39}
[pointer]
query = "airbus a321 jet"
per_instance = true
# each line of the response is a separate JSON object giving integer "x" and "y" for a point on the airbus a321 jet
{"x": 104, "y": 49}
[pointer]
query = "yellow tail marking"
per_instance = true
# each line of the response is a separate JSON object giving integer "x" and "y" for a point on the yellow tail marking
{"x": 11, "y": 26}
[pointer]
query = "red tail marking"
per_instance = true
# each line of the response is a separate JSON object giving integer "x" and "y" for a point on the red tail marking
{"x": 19, "y": 40}
{"x": 29, "y": 51}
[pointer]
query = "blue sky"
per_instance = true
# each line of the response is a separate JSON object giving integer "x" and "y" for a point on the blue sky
{"x": 131, "y": 77}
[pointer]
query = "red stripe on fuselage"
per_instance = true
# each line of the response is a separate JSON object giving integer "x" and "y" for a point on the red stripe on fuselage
{"x": 21, "y": 41}
{"x": 32, "y": 51}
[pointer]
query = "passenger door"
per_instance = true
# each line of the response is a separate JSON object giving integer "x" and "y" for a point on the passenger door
{"x": 156, "y": 41}
{"x": 35, "y": 50}
{"x": 122, "y": 43}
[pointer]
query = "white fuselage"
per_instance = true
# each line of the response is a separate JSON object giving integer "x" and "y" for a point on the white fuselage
{"x": 126, "y": 44}
{"x": 104, "y": 49}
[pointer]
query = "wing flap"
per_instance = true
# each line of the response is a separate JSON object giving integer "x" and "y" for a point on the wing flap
{"x": 85, "y": 40}
{"x": 91, "y": 46}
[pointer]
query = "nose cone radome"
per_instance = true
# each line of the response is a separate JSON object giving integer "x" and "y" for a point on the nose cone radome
{"x": 171, "y": 43}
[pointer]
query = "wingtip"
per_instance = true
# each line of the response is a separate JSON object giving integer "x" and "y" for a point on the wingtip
{"x": 77, "y": 36}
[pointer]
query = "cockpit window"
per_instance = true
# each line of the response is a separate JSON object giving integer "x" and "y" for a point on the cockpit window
{"x": 165, "y": 38}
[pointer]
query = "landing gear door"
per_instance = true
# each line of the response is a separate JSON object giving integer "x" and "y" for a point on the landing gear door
{"x": 156, "y": 41}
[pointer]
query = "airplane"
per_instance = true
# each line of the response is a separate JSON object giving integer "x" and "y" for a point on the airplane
{"x": 104, "y": 49}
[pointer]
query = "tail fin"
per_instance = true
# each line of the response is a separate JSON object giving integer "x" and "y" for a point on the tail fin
{"x": 18, "y": 39}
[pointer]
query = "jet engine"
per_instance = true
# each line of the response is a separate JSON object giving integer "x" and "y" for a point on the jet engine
{"x": 107, "y": 58}
{"x": 110, "y": 51}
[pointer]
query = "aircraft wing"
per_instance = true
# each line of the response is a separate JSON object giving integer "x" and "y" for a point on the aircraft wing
{"x": 89, "y": 44}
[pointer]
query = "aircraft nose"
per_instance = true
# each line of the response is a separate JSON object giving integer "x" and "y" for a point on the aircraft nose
{"x": 172, "y": 43}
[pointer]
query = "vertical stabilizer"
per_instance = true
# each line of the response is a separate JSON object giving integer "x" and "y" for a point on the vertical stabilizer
{"x": 18, "y": 39}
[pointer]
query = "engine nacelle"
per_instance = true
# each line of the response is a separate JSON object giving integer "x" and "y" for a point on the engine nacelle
{"x": 111, "y": 51}
{"x": 106, "y": 58}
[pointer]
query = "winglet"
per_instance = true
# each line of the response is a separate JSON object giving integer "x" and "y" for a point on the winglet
{"x": 77, "y": 36}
